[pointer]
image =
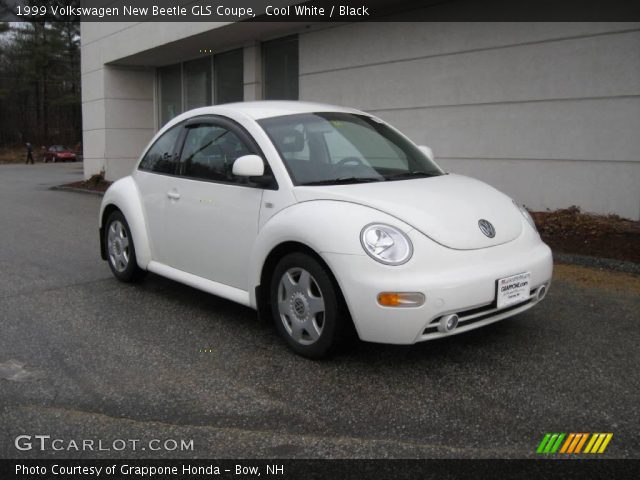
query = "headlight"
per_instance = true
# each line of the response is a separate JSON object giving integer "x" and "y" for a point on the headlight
{"x": 386, "y": 244}
{"x": 525, "y": 213}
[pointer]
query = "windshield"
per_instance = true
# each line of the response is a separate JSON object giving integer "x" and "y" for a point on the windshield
{"x": 340, "y": 148}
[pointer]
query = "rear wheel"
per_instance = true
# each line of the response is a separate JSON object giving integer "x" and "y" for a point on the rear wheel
{"x": 121, "y": 253}
{"x": 306, "y": 306}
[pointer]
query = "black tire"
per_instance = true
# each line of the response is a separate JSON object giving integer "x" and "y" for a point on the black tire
{"x": 124, "y": 248}
{"x": 298, "y": 312}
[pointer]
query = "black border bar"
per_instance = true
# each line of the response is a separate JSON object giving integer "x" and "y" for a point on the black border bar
{"x": 334, "y": 469}
{"x": 358, "y": 11}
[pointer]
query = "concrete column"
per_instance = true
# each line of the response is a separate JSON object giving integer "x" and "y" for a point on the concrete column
{"x": 252, "y": 72}
{"x": 129, "y": 117}
{"x": 119, "y": 122}
{"x": 93, "y": 121}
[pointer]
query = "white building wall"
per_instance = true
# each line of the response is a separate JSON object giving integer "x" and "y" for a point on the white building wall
{"x": 547, "y": 112}
{"x": 117, "y": 101}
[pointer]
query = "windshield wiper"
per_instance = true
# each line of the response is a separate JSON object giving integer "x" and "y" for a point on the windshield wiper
{"x": 410, "y": 175}
{"x": 343, "y": 181}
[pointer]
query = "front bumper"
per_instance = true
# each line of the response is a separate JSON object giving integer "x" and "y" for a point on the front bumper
{"x": 453, "y": 281}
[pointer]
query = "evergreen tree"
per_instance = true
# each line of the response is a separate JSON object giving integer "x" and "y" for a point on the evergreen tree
{"x": 40, "y": 82}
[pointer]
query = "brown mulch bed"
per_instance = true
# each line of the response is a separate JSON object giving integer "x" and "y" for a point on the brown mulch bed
{"x": 96, "y": 183}
{"x": 572, "y": 231}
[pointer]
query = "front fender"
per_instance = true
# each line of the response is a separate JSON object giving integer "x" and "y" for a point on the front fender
{"x": 124, "y": 195}
{"x": 325, "y": 226}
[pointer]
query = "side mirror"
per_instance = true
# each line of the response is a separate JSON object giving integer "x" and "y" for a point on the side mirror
{"x": 427, "y": 151}
{"x": 248, "y": 166}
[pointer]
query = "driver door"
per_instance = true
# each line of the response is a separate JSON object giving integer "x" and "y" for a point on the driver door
{"x": 212, "y": 216}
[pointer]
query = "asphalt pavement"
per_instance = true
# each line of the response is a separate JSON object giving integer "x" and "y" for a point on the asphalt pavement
{"x": 157, "y": 365}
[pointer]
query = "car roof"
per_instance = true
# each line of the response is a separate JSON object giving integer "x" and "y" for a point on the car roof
{"x": 269, "y": 108}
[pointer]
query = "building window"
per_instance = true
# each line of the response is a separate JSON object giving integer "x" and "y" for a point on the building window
{"x": 280, "y": 68}
{"x": 170, "y": 89}
{"x": 197, "y": 83}
{"x": 188, "y": 85}
{"x": 228, "y": 70}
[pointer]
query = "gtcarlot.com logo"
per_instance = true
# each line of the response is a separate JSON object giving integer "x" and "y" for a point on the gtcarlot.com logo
{"x": 46, "y": 443}
{"x": 574, "y": 443}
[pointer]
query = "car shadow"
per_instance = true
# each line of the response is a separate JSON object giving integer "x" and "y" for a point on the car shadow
{"x": 506, "y": 334}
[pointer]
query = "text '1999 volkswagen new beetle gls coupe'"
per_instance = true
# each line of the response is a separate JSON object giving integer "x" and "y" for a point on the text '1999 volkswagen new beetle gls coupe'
{"x": 324, "y": 218}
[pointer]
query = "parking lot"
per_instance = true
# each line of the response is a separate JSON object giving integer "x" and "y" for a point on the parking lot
{"x": 85, "y": 357}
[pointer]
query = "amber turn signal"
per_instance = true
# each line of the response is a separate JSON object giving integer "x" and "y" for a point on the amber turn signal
{"x": 400, "y": 299}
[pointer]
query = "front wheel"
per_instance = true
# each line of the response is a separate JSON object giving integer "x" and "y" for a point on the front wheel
{"x": 307, "y": 308}
{"x": 121, "y": 253}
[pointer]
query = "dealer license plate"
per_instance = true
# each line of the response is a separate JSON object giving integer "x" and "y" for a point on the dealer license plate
{"x": 513, "y": 289}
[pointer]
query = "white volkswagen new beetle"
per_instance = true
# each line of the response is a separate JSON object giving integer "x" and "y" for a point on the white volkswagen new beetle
{"x": 320, "y": 216}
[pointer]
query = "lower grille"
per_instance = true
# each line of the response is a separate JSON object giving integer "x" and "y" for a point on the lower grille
{"x": 478, "y": 314}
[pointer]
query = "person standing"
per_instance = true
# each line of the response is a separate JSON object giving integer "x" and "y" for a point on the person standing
{"x": 29, "y": 154}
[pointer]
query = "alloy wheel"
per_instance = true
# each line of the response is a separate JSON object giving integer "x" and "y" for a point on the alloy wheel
{"x": 301, "y": 306}
{"x": 118, "y": 245}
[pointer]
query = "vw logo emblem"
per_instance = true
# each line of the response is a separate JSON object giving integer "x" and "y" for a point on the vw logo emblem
{"x": 486, "y": 228}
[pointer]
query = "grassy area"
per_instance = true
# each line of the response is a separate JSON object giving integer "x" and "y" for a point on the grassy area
{"x": 595, "y": 278}
{"x": 13, "y": 154}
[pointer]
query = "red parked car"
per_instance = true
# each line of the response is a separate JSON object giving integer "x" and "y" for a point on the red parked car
{"x": 59, "y": 153}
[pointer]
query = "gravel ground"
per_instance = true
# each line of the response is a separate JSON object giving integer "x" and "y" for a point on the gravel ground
{"x": 598, "y": 262}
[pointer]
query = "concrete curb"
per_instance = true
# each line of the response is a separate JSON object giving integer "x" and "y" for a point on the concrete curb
{"x": 77, "y": 190}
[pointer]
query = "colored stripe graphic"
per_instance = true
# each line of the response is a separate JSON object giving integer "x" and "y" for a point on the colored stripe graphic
{"x": 581, "y": 442}
{"x": 567, "y": 443}
{"x": 592, "y": 440}
{"x": 550, "y": 443}
{"x": 573, "y": 443}
{"x": 598, "y": 442}
{"x": 543, "y": 443}
{"x": 607, "y": 439}
{"x": 554, "y": 449}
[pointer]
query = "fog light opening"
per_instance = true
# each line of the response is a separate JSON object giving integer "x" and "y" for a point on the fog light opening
{"x": 541, "y": 293}
{"x": 448, "y": 323}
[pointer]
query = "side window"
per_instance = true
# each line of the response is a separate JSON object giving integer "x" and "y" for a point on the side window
{"x": 160, "y": 157}
{"x": 209, "y": 152}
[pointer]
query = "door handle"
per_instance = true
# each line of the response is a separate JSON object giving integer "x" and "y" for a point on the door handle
{"x": 173, "y": 195}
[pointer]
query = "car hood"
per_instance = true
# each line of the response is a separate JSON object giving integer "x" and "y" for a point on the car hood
{"x": 445, "y": 208}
